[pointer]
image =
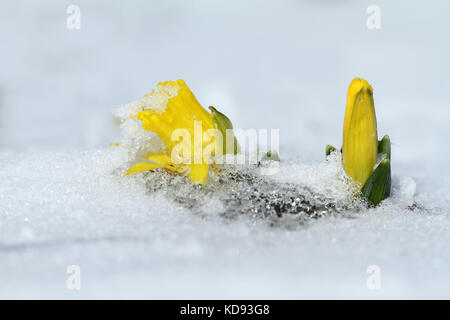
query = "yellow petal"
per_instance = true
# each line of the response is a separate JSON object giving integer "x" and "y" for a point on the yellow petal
{"x": 147, "y": 166}
{"x": 181, "y": 112}
{"x": 165, "y": 161}
{"x": 355, "y": 86}
{"x": 198, "y": 173}
{"x": 161, "y": 158}
{"x": 142, "y": 167}
{"x": 360, "y": 141}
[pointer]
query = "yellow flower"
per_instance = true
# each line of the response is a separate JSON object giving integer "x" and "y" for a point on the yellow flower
{"x": 360, "y": 141}
{"x": 174, "y": 114}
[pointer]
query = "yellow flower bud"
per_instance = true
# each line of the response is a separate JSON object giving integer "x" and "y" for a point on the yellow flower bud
{"x": 360, "y": 141}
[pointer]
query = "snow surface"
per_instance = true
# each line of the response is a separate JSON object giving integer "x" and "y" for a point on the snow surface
{"x": 72, "y": 207}
{"x": 284, "y": 64}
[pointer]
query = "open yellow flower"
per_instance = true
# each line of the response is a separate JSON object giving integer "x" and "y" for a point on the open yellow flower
{"x": 360, "y": 141}
{"x": 183, "y": 125}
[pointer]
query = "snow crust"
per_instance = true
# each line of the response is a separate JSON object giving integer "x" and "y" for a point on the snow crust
{"x": 74, "y": 208}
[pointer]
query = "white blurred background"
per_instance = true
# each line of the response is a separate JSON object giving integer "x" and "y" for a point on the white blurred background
{"x": 266, "y": 64}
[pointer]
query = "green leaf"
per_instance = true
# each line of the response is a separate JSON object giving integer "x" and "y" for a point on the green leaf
{"x": 222, "y": 123}
{"x": 378, "y": 186}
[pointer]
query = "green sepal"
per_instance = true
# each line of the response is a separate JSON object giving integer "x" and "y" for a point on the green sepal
{"x": 329, "y": 149}
{"x": 222, "y": 123}
{"x": 378, "y": 186}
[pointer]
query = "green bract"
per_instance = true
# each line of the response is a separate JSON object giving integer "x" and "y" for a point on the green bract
{"x": 222, "y": 123}
{"x": 271, "y": 156}
{"x": 329, "y": 149}
{"x": 378, "y": 186}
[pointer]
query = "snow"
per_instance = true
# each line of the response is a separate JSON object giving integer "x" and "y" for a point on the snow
{"x": 74, "y": 208}
{"x": 63, "y": 200}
